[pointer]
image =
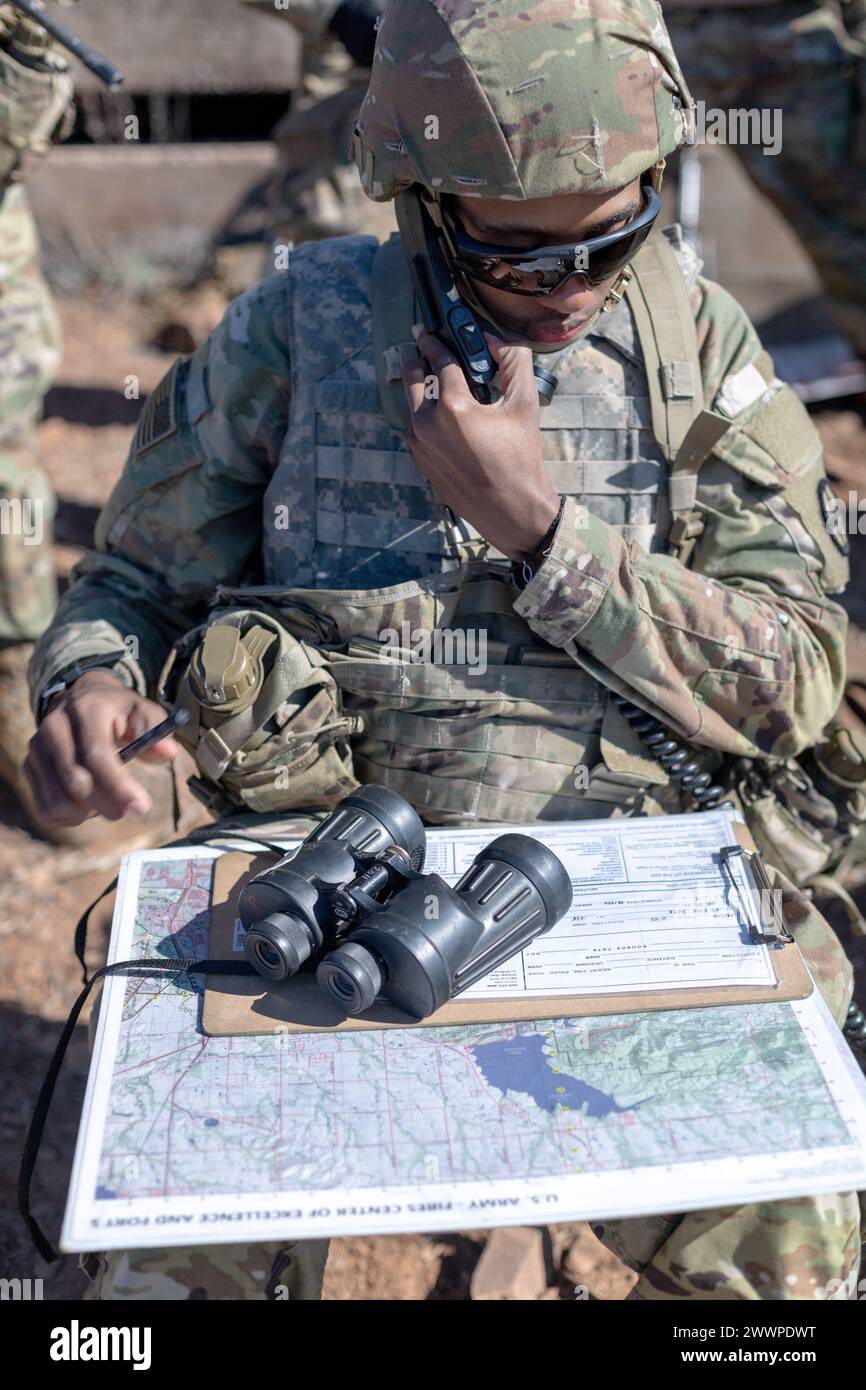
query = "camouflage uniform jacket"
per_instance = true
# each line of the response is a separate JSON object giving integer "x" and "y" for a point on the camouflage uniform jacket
{"x": 266, "y": 458}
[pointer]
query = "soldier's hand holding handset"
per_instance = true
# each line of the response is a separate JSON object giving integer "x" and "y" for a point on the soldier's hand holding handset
{"x": 484, "y": 461}
{"x": 73, "y": 763}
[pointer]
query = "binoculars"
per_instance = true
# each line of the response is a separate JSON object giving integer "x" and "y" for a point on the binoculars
{"x": 352, "y": 898}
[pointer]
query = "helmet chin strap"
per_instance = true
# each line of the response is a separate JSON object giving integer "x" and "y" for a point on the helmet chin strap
{"x": 620, "y": 284}
{"x": 512, "y": 335}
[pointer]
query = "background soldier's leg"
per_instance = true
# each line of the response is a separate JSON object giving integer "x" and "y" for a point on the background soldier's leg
{"x": 795, "y": 57}
{"x": 279, "y": 1270}
{"x": 28, "y": 589}
{"x": 29, "y": 355}
{"x": 28, "y": 597}
{"x": 818, "y": 175}
{"x": 767, "y": 1250}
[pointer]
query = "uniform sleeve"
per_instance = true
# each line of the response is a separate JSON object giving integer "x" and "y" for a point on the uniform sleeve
{"x": 186, "y": 514}
{"x": 744, "y": 651}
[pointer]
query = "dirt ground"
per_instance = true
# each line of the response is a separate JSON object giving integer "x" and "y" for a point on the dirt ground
{"x": 83, "y": 442}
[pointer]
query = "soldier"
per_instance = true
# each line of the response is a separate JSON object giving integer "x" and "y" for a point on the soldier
{"x": 314, "y": 192}
{"x": 35, "y": 109}
{"x": 808, "y": 61}
{"x": 537, "y": 140}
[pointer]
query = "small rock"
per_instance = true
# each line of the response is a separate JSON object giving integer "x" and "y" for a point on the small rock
{"x": 512, "y": 1266}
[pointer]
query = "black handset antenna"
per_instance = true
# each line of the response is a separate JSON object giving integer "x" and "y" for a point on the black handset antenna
{"x": 442, "y": 310}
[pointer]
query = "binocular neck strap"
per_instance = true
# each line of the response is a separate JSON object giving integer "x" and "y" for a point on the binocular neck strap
{"x": 145, "y": 965}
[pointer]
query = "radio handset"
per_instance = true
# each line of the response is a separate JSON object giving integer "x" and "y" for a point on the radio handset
{"x": 442, "y": 310}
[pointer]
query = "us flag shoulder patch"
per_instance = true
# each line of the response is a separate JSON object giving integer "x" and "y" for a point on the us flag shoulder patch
{"x": 158, "y": 420}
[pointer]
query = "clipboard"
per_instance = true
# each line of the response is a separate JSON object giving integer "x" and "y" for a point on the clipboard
{"x": 244, "y": 1005}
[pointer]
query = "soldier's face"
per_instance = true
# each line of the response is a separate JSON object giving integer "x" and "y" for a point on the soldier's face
{"x": 569, "y": 217}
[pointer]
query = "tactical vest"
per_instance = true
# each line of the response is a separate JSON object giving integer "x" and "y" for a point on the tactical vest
{"x": 515, "y": 730}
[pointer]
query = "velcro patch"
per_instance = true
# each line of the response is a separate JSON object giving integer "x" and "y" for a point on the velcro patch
{"x": 158, "y": 420}
{"x": 739, "y": 391}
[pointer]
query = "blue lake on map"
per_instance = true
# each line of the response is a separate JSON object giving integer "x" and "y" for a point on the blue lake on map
{"x": 522, "y": 1064}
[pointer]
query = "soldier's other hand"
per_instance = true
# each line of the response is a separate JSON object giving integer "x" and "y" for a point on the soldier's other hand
{"x": 483, "y": 461}
{"x": 73, "y": 765}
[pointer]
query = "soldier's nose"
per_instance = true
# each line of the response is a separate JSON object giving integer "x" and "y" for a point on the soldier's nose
{"x": 570, "y": 298}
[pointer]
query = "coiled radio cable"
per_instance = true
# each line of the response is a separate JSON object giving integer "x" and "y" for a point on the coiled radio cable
{"x": 686, "y": 770}
{"x": 676, "y": 760}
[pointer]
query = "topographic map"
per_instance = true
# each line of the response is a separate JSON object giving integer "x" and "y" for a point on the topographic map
{"x": 430, "y": 1128}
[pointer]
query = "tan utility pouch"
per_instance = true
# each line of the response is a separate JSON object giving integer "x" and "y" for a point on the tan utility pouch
{"x": 804, "y": 813}
{"x": 35, "y": 109}
{"x": 275, "y": 737}
{"x": 783, "y": 838}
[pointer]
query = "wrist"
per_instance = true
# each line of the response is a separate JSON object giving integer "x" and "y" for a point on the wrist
{"x": 90, "y": 679}
{"x": 55, "y": 690}
{"x": 526, "y": 567}
{"x": 549, "y": 521}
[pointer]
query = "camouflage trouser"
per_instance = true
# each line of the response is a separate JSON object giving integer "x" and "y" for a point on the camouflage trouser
{"x": 798, "y": 58}
{"x": 767, "y": 1250}
{"x": 282, "y": 1270}
{"x": 29, "y": 354}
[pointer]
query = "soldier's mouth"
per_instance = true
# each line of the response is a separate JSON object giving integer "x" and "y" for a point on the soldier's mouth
{"x": 555, "y": 330}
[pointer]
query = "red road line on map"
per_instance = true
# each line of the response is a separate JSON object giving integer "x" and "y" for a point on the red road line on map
{"x": 135, "y": 994}
{"x": 187, "y": 887}
{"x": 172, "y": 1052}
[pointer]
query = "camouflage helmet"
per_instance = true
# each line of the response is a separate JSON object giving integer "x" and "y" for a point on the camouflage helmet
{"x": 519, "y": 98}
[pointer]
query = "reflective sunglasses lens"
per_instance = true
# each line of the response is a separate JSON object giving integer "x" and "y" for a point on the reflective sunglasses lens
{"x": 602, "y": 263}
{"x": 608, "y": 260}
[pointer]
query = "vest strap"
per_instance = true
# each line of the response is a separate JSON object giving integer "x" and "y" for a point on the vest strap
{"x": 394, "y": 312}
{"x": 687, "y": 523}
{"x": 687, "y": 433}
{"x": 393, "y": 303}
{"x": 664, "y": 319}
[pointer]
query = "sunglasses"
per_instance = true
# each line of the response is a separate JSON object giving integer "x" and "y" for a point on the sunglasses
{"x": 542, "y": 269}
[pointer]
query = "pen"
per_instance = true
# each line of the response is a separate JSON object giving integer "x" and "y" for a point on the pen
{"x": 152, "y": 736}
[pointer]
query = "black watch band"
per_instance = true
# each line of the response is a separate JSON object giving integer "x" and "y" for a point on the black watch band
{"x": 522, "y": 571}
{"x": 69, "y": 674}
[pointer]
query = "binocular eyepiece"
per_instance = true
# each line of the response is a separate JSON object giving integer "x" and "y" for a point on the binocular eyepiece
{"x": 353, "y": 895}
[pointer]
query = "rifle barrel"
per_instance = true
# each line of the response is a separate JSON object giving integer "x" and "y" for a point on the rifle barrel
{"x": 96, "y": 62}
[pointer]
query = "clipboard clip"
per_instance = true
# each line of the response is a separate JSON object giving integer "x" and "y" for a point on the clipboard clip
{"x": 761, "y": 904}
